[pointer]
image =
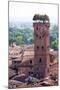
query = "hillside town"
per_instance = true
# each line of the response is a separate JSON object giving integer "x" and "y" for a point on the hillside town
{"x": 34, "y": 65}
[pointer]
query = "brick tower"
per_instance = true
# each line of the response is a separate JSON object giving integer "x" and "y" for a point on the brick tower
{"x": 41, "y": 45}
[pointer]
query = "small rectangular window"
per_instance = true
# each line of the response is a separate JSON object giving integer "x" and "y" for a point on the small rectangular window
{"x": 40, "y": 37}
{"x": 42, "y": 47}
{"x": 36, "y": 35}
{"x": 36, "y": 28}
{"x": 37, "y": 47}
{"x": 40, "y": 60}
{"x": 30, "y": 61}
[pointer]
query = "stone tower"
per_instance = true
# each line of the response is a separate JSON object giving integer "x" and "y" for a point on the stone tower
{"x": 41, "y": 45}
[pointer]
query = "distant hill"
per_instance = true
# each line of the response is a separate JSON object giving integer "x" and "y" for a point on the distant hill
{"x": 19, "y": 24}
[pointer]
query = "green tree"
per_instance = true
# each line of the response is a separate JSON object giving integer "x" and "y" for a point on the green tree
{"x": 54, "y": 45}
{"x": 54, "y": 37}
{"x": 19, "y": 40}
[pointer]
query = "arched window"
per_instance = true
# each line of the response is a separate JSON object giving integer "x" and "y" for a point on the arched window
{"x": 40, "y": 37}
{"x": 37, "y": 47}
{"x": 30, "y": 73}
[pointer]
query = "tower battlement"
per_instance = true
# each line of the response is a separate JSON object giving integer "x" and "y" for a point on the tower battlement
{"x": 41, "y": 19}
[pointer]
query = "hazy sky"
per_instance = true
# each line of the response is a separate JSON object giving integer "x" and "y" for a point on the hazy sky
{"x": 25, "y": 11}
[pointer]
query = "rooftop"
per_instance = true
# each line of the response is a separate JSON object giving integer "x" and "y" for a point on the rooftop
{"x": 28, "y": 52}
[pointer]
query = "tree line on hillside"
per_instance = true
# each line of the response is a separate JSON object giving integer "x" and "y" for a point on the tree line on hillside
{"x": 21, "y": 36}
{"x": 25, "y": 36}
